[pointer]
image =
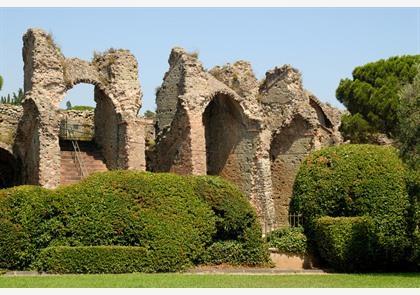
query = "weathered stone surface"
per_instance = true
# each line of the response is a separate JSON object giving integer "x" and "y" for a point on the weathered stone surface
{"x": 219, "y": 122}
{"x": 9, "y": 118}
{"x": 48, "y": 75}
{"x": 225, "y": 122}
{"x": 9, "y": 166}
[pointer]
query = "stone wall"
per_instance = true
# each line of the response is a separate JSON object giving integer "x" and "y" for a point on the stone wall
{"x": 48, "y": 75}
{"x": 255, "y": 133}
{"x": 9, "y": 166}
{"x": 82, "y": 122}
{"x": 9, "y": 118}
{"x": 219, "y": 122}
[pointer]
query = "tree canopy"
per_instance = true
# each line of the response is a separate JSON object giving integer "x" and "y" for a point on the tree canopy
{"x": 409, "y": 122}
{"x": 1, "y": 82}
{"x": 371, "y": 96}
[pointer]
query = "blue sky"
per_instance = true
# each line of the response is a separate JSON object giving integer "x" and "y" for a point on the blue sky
{"x": 325, "y": 44}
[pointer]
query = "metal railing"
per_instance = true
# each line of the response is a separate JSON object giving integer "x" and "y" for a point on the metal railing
{"x": 75, "y": 131}
{"x": 71, "y": 132}
{"x": 293, "y": 220}
{"x": 78, "y": 159}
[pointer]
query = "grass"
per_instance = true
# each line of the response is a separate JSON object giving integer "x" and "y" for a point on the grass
{"x": 401, "y": 280}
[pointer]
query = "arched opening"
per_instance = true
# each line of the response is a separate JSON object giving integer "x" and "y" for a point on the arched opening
{"x": 87, "y": 122}
{"x": 323, "y": 119}
{"x": 8, "y": 169}
{"x": 222, "y": 121}
{"x": 288, "y": 148}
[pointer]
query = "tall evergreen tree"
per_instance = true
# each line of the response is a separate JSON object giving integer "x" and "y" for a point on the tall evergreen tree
{"x": 371, "y": 97}
{"x": 409, "y": 123}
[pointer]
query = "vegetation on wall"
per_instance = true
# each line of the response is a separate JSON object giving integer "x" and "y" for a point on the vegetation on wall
{"x": 149, "y": 114}
{"x": 14, "y": 99}
{"x": 70, "y": 107}
{"x": 165, "y": 214}
{"x": 357, "y": 180}
{"x": 371, "y": 97}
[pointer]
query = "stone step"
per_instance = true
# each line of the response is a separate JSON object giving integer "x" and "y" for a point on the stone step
{"x": 90, "y": 156}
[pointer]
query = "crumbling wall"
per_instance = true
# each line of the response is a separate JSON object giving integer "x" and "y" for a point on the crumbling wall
{"x": 254, "y": 133}
{"x": 81, "y": 121}
{"x": 167, "y": 94}
{"x": 9, "y": 118}
{"x": 48, "y": 75}
{"x": 288, "y": 148}
{"x": 9, "y": 165}
{"x": 214, "y": 130}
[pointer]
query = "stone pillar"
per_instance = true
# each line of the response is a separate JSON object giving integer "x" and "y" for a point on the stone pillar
{"x": 132, "y": 145}
{"x": 262, "y": 193}
{"x": 45, "y": 87}
{"x": 198, "y": 144}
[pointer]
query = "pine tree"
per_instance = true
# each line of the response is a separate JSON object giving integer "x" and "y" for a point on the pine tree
{"x": 372, "y": 96}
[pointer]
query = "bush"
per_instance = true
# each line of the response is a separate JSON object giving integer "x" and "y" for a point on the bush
{"x": 93, "y": 259}
{"x": 229, "y": 252}
{"x": 162, "y": 213}
{"x": 235, "y": 218}
{"x": 346, "y": 243}
{"x": 288, "y": 240}
{"x": 357, "y": 180}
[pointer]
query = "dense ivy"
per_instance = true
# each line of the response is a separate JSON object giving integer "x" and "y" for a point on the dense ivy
{"x": 357, "y": 180}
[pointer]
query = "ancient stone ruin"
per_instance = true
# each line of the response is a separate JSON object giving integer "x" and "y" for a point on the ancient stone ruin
{"x": 48, "y": 75}
{"x": 255, "y": 133}
{"x": 218, "y": 122}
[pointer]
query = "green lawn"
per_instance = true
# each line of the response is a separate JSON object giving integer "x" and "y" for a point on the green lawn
{"x": 215, "y": 281}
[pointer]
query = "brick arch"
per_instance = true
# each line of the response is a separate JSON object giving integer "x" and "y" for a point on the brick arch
{"x": 223, "y": 121}
{"x": 47, "y": 77}
{"x": 289, "y": 146}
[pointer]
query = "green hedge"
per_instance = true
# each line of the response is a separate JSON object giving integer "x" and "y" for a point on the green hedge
{"x": 235, "y": 219}
{"x": 164, "y": 213}
{"x": 94, "y": 259}
{"x": 346, "y": 243}
{"x": 225, "y": 252}
{"x": 288, "y": 240}
{"x": 357, "y": 180}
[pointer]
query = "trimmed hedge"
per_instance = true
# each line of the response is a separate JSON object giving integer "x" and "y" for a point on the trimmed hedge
{"x": 346, "y": 243}
{"x": 225, "y": 252}
{"x": 357, "y": 180}
{"x": 235, "y": 220}
{"x": 164, "y": 213}
{"x": 93, "y": 259}
{"x": 288, "y": 240}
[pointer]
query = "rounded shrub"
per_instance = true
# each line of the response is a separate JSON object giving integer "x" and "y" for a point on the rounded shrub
{"x": 236, "y": 220}
{"x": 346, "y": 243}
{"x": 161, "y": 213}
{"x": 290, "y": 240}
{"x": 357, "y": 180}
